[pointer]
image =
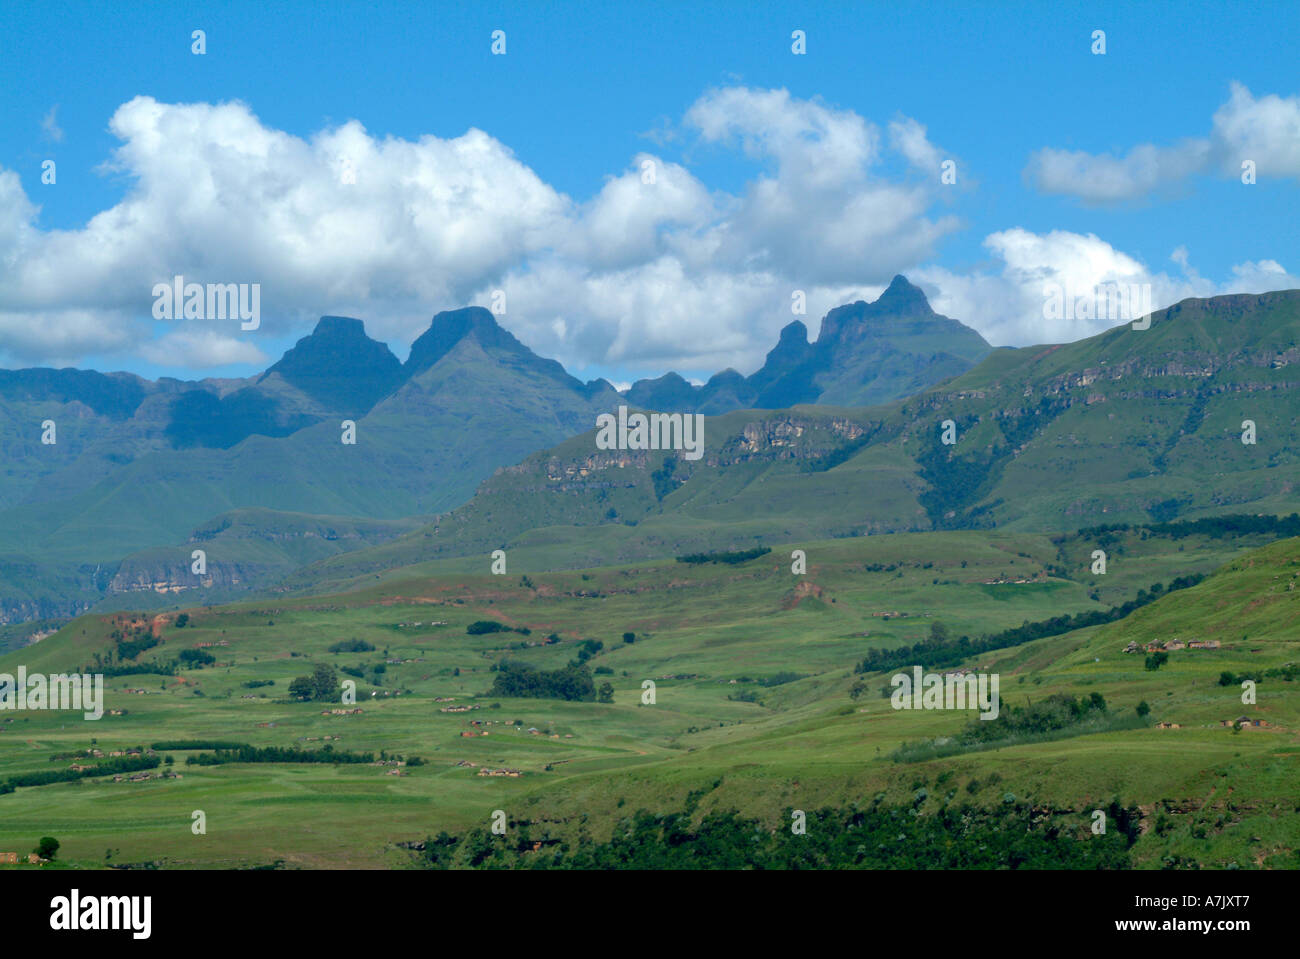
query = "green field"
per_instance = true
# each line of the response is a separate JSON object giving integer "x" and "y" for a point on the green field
{"x": 709, "y": 636}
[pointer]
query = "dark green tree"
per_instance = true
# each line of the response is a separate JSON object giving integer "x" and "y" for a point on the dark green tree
{"x": 1156, "y": 660}
{"x": 47, "y": 847}
{"x": 325, "y": 682}
{"x": 302, "y": 688}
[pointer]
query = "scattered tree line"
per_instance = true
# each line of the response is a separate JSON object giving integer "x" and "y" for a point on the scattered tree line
{"x": 133, "y": 669}
{"x": 108, "y": 767}
{"x": 195, "y": 658}
{"x": 1057, "y": 711}
{"x": 1213, "y": 527}
{"x": 1059, "y": 716}
{"x": 1288, "y": 674}
{"x": 482, "y": 627}
{"x": 351, "y": 646}
{"x": 940, "y": 652}
{"x": 127, "y": 646}
{"x": 278, "y": 754}
{"x": 729, "y": 557}
{"x": 573, "y": 682}
{"x": 131, "y": 648}
{"x": 879, "y": 837}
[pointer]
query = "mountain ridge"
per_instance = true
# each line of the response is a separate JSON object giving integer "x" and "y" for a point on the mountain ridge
{"x": 497, "y": 442}
{"x": 1125, "y": 426}
{"x": 865, "y": 354}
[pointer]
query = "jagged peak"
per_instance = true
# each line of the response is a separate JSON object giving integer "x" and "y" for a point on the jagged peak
{"x": 903, "y": 296}
{"x": 901, "y": 299}
{"x": 449, "y": 327}
{"x": 474, "y": 323}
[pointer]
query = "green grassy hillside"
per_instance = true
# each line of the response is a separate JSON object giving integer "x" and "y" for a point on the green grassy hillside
{"x": 758, "y": 704}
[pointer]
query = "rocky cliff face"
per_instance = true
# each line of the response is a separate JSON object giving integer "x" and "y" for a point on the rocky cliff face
{"x": 22, "y": 610}
{"x": 177, "y": 577}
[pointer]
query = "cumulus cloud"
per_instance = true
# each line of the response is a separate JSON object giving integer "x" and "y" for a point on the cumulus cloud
{"x": 1261, "y": 276}
{"x": 1007, "y": 305}
{"x": 656, "y": 267}
{"x": 632, "y": 218}
{"x": 821, "y": 212}
{"x": 1265, "y": 131}
{"x": 342, "y": 222}
{"x": 656, "y": 270}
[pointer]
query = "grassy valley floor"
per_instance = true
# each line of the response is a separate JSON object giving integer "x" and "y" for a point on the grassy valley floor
{"x": 758, "y": 707}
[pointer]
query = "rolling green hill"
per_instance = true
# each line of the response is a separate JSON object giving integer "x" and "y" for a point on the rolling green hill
{"x": 758, "y": 706}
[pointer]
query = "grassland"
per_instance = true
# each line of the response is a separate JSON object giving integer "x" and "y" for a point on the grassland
{"x": 707, "y": 635}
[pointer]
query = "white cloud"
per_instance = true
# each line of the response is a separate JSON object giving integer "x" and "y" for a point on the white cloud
{"x": 60, "y": 337}
{"x": 626, "y": 221}
{"x": 820, "y": 145}
{"x": 1007, "y": 306}
{"x": 821, "y": 214}
{"x": 1264, "y": 130}
{"x": 1107, "y": 178}
{"x": 909, "y": 138}
{"x": 391, "y": 230}
{"x": 651, "y": 273}
{"x": 1262, "y": 276}
{"x": 218, "y": 197}
{"x": 201, "y": 349}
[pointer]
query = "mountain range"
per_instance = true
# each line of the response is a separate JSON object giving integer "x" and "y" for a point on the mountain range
{"x": 254, "y": 470}
{"x": 1199, "y": 415}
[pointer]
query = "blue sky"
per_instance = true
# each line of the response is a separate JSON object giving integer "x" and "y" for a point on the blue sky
{"x": 585, "y": 89}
